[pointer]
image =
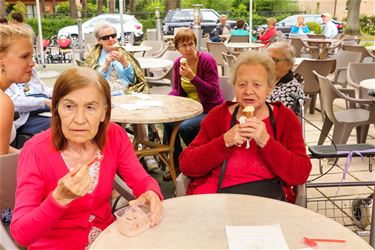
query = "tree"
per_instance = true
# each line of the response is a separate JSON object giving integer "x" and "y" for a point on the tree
{"x": 43, "y": 5}
{"x": 111, "y": 6}
{"x": 131, "y": 6}
{"x": 84, "y": 8}
{"x": 100, "y": 7}
{"x": 73, "y": 9}
{"x": 173, "y": 4}
{"x": 352, "y": 26}
{"x": 54, "y": 7}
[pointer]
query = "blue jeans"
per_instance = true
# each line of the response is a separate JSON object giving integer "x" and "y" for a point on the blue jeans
{"x": 187, "y": 131}
{"x": 34, "y": 125}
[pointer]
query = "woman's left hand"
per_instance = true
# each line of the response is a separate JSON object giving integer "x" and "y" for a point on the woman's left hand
{"x": 186, "y": 71}
{"x": 118, "y": 56}
{"x": 256, "y": 131}
{"x": 152, "y": 199}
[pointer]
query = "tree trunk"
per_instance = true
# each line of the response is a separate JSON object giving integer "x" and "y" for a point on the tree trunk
{"x": 111, "y": 6}
{"x": 84, "y": 8}
{"x": 172, "y": 4}
{"x": 100, "y": 7}
{"x": 132, "y": 6}
{"x": 54, "y": 7}
{"x": 2, "y": 7}
{"x": 43, "y": 5}
{"x": 352, "y": 25}
{"x": 73, "y": 9}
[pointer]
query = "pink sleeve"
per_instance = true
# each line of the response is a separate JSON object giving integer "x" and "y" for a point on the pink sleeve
{"x": 176, "y": 78}
{"x": 269, "y": 33}
{"x": 34, "y": 214}
{"x": 130, "y": 169}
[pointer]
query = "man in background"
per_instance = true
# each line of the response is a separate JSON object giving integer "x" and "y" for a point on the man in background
{"x": 221, "y": 30}
{"x": 329, "y": 29}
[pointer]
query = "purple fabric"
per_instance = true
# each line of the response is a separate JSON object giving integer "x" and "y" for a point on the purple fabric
{"x": 348, "y": 159}
{"x": 206, "y": 81}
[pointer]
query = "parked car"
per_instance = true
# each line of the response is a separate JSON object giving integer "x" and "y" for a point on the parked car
{"x": 131, "y": 25}
{"x": 286, "y": 24}
{"x": 184, "y": 18}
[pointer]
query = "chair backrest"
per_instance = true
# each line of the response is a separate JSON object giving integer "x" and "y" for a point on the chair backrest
{"x": 343, "y": 59}
{"x": 297, "y": 44}
{"x": 157, "y": 46}
{"x": 227, "y": 88}
{"x": 216, "y": 49}
{"x": 327, "y": 94}
{"x": 151, "y": 34}
{"x": 357, "y": 48}
{"x": 124, "y": 190}
{"x": 6, "y": 241}
{"x": 171, "y": 55}
{"x": 230, "y": 59}
{"x": 8, "y": 179}
{"x": 317, "y": 36}
{"x": 323, "y": 67}
{"x": 358, "y": 72}
{"x": 238, "y": 39}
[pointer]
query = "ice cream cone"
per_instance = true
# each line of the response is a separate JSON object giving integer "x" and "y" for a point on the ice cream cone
{"x": 248, "y": 111}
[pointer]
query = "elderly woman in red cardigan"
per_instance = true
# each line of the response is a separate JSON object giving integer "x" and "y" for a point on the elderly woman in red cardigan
{"x": 256, "y": 149}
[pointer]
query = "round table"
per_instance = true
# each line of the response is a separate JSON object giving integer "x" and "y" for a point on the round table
{"x": 198, "y": 222}
{"x": 244, "y": 45}
{"x": 369, "y": 84}
{"x": 135, "y": 48}
{"x": 47, "y": 74}
{"x": 172, "y": 109}
{"x": 154, "y": 63}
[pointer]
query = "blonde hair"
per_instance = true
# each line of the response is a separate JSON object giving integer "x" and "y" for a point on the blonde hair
{"x": 255, "y": 57}
{"x": 10, "y": 33}
{"x": 271, "y": 21}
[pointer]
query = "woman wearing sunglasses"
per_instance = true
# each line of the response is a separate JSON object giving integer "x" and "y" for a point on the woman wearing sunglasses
{"x": 118, "y": 67}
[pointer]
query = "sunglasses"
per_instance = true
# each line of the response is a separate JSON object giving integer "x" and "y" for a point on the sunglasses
{"x": 107, "y": 37}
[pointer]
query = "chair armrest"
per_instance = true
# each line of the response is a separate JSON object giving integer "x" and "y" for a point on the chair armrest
{"x": 182, "y": 183}
{"x": 348, "y": 92}
{"x": 124, "y": 190}
{"x": 338, "y": 72}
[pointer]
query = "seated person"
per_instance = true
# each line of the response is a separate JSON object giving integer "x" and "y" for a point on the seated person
{"x": 269, "y": 33}
{"x": 221, "y": 29}
{"x": 121, "y": 70}
{"x": 30, "y": 99}
{"x": 118, "y": 66}
{"x": 276, "y": 149}
{"x": 287, "y": 90}
{"x": 240, "y": 30}
{"x": 300, "y": 28}
{"x": 196, "y": 77}
{"x": 329, "y": 30}
{"x": 65, "y": 174}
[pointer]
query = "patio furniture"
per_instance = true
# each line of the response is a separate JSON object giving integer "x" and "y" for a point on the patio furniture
{"x": 343, "y": 121}
{"x": 238, "y": 39}
{"x": 356, "y": 48}
{"x": 226, "y": 88}
{"x": 358, "y": 72}
{"x": 216, "y": 49}
{"x": 343, "y": 59}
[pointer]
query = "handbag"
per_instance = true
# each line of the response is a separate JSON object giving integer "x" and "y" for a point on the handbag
{"x": 270, "y": 188}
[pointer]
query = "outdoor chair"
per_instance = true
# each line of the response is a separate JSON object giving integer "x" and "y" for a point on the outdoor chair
{"x": 315, "y": 36}
{"x": 358, "y": 72}
{"x": 238, "y": 39}
{"x": 362, "y": 49}
{"x": 182, "y": 184}
{"x": 6, "y": 240}
{"x": 343, "y": 59}
{"x": 216, "y": 49}
{"x": 229, "y": 59}
{"x": 171, "y": 55}
{"x": 300, "y": 47}
{"x": 343, "y": 121}
{"x": 157, "y": 47}
{"x": 311, "y": 85}
{"x": 226, "y": 88}
{"x": 151, "y": 34}
{"x": 8, "y": 179}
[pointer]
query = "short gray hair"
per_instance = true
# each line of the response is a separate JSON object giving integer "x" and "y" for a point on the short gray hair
{"x": 287, "y": 50}
{"x": 100, "y": 26}
{"x": 255, "y": 57}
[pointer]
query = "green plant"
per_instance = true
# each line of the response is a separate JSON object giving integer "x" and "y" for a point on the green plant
{"x": 314, "y": 27}
{"x": 51, "y": 26}
{"x": 18, "y": 7}
{"x": 367, "y": 24}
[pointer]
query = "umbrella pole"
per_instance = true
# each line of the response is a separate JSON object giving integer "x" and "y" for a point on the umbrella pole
{"x": 40, "y": 34}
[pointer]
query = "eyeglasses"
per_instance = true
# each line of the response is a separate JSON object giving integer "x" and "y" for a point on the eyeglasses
{"x": 186, "y": 46}
{"x": 276, "y": 60}
{"x": 107, "y": 37}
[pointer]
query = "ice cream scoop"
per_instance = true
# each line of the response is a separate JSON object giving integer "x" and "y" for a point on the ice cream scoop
{"x": 248, "y": 111}
{"x": 183, "y": 61}
{"x": 116, "y": 46}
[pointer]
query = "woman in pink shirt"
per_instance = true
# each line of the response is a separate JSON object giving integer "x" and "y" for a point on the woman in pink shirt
{"x": 65, "y": 174}
{"x": 267, "y": 147}
{"x": 269, "y": 33}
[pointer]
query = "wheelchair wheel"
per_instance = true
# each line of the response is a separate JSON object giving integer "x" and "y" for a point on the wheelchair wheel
{"x": 361, "y": 213}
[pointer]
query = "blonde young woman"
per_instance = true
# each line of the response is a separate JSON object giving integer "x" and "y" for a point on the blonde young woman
{"x": 16, "y": 63}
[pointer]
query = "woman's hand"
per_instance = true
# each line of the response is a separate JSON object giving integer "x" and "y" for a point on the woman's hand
{"x": 73, "y": 185}
{"x": 118, "y": 56}
{"x": 255, "y": 129}
{"x": 186, "y": 71}
{"x": 156, "y": 208}
{"x": 234, "y": 137}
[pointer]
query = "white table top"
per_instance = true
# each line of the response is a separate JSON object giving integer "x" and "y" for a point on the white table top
{"x": 47, "y": 74}
{"x": 136, "y": 48}
{"x": 244, "y": 45}
{"x": 368, "y": 83}
{"x": 198, "y": 222}
{"x": 175, "y": 108}
{"x": 154, "y": 63}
